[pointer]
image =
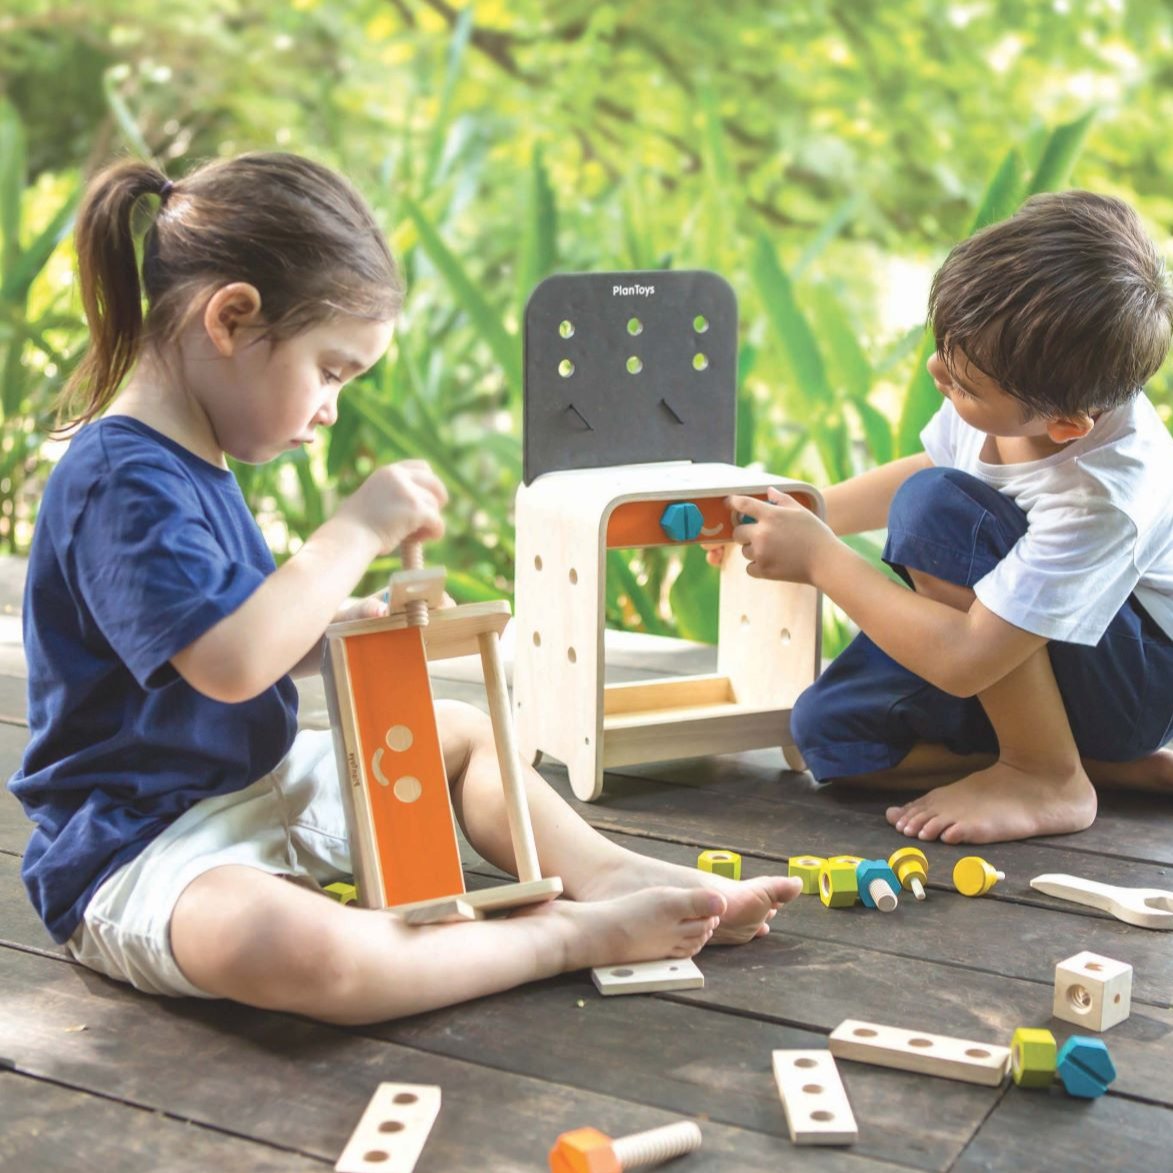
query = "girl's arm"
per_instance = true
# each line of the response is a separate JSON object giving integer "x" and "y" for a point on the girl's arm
{"x": 862, "y": 502}
{"x": 281, "y": 623}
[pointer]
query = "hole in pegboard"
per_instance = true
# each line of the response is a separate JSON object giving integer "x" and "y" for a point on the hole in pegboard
{"x": 566, "y": 368}
{"x": 635, "y": 364}
{"x": 566, "y": 328}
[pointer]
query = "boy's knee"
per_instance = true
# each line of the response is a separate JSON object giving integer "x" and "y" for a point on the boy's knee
{"x": 932, "y": 492}
{"x": 464, "y": 730}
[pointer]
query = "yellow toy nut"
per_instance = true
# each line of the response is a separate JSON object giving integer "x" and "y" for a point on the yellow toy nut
{"x": 343, "y": 893}
{"x": 1033, "y": 1057}
{"x": 854, "y": 860}
{"x": 720, "y": 863}
{"x": 837, "y": 884}
{"x": 806, "y": 868}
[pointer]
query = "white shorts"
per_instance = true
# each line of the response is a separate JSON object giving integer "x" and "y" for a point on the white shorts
{"x": 289, "y": 823}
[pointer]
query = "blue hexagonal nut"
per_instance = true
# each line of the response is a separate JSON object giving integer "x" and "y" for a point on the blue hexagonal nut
{"x": 682, "y": 521}
{"x": 877, "y": 869}
{"x": 1085, "y": 1067}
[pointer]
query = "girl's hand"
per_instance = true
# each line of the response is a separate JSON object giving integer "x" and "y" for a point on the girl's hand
{"x": 372, "y": 607}
{"x": 399, "y": 502}
{"x": 784, "y": 539}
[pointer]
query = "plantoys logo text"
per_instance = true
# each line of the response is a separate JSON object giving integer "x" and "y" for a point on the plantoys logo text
{"x": 633, "y": 290}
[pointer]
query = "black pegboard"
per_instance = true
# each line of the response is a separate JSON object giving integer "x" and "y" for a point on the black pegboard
{"x": 597, "y": 412}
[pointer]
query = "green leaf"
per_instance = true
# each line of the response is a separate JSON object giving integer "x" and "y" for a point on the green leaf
{"x": 1059, "y": 155}
{"x": 620, "y": 573}
{"x": 457, "y": 46}
{"x": 845, "y": 357}
{"x": 12, "y": 180}
{"x": 19, "y": 278}
{"x": 539, "y": 245}
{"x": 799, "y": 347}
{"x": 1003, "y": 193}
{"x": 876, "y": 429}
{"x": 124, "y": 118}
{"x": 694, "y": 598}
{"x": 487, "y": 322}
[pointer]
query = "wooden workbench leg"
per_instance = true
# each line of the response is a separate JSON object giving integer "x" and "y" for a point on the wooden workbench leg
{"x": 517, "y": 807}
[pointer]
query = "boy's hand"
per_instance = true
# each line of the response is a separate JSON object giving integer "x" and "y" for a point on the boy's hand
{"x": 783, "y": 540}
{"x": 714, "y": 552}
{"x": 399, "y": 502}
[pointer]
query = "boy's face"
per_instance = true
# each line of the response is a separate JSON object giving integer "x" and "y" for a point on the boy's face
{"x": 981, "y": 402}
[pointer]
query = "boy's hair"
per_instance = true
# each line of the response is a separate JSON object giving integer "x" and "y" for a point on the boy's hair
{"x": 1066, "y": 305}
{"x": 292, "y": 228}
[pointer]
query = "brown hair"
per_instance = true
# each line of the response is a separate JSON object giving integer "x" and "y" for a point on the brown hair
{"x": 292, "y": 228}
{"x": 1066, "y": 305}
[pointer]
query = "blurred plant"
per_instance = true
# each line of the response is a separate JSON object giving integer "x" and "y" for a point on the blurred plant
{"x": 38, "y": 336}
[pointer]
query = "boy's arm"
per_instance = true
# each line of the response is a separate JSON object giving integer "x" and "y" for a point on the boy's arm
{"x": 961, "y": 652}
{"x": 862, "y": 502}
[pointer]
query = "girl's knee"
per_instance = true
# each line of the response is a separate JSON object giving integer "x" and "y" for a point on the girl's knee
{"x": 464, "y": 730}
{"x": 257, "y": 938}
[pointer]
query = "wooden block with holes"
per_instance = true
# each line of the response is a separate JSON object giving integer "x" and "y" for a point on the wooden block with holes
{"x": 392, "y": 1131}
{"x": 400, "y": 821}
{"x": 813, "y": 1096}
{"x": 919, "y": 1051}
{"x": 648, "y": 977}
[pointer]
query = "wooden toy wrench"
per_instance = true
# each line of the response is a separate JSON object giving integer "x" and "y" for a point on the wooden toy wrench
{"x": 1150, "y": 908}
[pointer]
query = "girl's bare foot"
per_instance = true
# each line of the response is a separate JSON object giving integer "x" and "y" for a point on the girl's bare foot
{"x": 750, "y": 904}
{"x": 999, "y": 803}
{"x": 641, "y": 926}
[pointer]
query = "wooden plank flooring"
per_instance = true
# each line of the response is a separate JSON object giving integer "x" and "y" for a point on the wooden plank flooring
{"x": 91, "y": 1068}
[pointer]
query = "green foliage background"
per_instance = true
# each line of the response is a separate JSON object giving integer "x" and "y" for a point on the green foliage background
{"x": 821, "y": 155}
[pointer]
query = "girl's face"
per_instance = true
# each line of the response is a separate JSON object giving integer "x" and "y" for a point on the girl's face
{"x": 277, "y": 395}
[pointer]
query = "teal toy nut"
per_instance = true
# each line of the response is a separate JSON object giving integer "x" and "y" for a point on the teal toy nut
{"x": 1085, "y": 1067}
{"x": 682, "y": 521}
{"x": 878, "y": 884}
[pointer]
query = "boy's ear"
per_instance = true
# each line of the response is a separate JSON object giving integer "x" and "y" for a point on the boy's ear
{"x": 1070, "y": 427}
{"x": 229, "y": 309}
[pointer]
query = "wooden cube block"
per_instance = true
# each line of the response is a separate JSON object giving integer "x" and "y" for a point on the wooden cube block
{"x": 837, "y": 884}
{"x": 1092, "y": 991}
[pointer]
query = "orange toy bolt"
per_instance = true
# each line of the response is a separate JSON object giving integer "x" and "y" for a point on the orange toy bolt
{"x": 972, "y": 876}
{"x": 587, "y": 1150}
{"x": 911, "y": 866}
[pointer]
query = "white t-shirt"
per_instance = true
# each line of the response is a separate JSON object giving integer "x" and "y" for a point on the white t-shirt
{"x": 1099, "y": 523}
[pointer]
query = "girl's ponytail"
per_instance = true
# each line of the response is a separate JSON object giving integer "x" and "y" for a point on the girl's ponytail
{"x": 107, "y": 226}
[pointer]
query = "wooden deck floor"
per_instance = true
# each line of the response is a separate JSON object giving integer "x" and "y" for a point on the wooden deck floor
{"x": 93, "y": 1072}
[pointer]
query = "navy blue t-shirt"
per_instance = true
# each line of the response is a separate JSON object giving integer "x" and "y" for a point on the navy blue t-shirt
{"x": 140, "y": 547}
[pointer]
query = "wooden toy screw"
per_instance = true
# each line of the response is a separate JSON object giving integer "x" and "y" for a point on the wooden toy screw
{"x": 411, "y": 554}
{"x": 972, "y": 876}
{"x": 911, "y": 866}
{"x": 587, "y": 1150}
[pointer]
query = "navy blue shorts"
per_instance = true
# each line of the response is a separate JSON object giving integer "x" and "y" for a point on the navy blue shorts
{"x": 866, "y": 711}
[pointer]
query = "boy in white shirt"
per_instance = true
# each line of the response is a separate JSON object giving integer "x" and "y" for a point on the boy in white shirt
{"x": 1034, "y": 655}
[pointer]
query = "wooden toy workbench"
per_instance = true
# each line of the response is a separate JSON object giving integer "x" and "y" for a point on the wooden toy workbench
{"x": 630, "y": 403}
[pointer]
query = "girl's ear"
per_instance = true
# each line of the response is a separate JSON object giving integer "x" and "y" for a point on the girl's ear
{"x": 1068, "y": 428}
{"x": 229, "y": 309}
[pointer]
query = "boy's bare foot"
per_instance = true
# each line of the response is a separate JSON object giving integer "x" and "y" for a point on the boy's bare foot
{"x": 999, "y": 803}
{"x": 641, "y": 926}
{"x": 750, "y": 904}
{"x": 1152, "y": 773}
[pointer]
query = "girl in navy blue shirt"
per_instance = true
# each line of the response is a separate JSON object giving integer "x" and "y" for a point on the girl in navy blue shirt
{"x": 182, "y": 826}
